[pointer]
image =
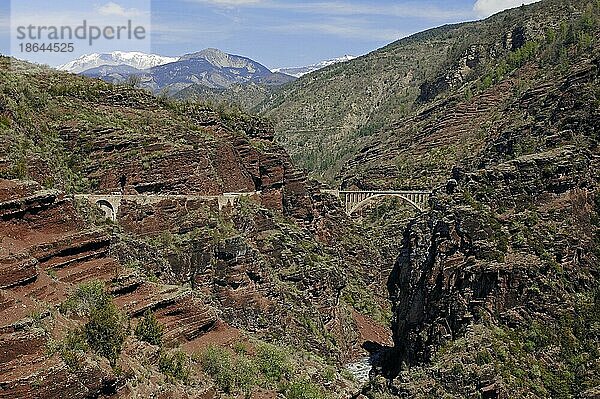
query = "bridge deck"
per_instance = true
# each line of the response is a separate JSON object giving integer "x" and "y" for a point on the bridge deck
{"x": 352, "y": 199}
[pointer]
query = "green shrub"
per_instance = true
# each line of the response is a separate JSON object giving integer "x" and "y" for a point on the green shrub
{"x": 86, "y": 297}
{"x": 214, "y": 359}
{"x": 175, "y": 367}
{"x": 273, "y": 363}
{"x": 246, "y": 375}
{"x": 72, "y": 348}
{"x": 105, "y": 331}
{"x": 520, "y": 56}
{"x": 17, "y": 170}
{"x": 240, "y": 348}
{"x": 483, "y": 357}
{"x": 149, "y": 329}
{"x": 240, "y": 371}
{"x": 217, "y": 362}
{"x": 304, "y": 389}
{"x": 329, "y": 374}
{"x": 52, "y": 274}
{"x": 234, "y": 373}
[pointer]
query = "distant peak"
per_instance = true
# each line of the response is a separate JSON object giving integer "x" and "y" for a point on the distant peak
{"x": 212, "y": 51}
{"x": 221, "y": 59}
{"x": 303, "y": 70}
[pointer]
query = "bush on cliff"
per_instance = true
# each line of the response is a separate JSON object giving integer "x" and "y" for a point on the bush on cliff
{"x": 86, "y": 297}
{"x": 149, "y": 329}
{"x": 105, "y": 330}
{"x": 175, "y": 366}
{"x": 273, "y": 363}
{"x": 304, "y": 389}
{"x": 231, "y": 373}
{"x": 269, "y": 367}
{"x": 71, "y": 349}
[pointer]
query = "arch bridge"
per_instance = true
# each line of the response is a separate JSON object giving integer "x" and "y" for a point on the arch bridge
{"x": 356, "y": 200}
{"x": 352, "y": 200}
{"x": 110, "y": 203}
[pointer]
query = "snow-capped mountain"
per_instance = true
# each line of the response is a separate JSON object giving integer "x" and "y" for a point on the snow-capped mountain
{"x": 209, "y": 69}
{"x": 133, "y": 59}
{"x": 300, "y": 71}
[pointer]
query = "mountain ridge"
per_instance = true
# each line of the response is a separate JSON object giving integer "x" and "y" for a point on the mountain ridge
{"x": 322, "y": 130}
{"x": 133, "y": 59}
{"x": 205, "y": 75}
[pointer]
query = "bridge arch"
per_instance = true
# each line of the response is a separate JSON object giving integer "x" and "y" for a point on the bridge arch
{"x": 366, "y": 201}
{"x": 109, "y": 210}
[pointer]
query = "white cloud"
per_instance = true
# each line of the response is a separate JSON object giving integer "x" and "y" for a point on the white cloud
{"x": 230, "y": 3}
{"x": 114, "y": 9}
{"x": 341, "y": 28}
{"x": 341, "y": 7}
{"x": 485, "y": 8}
{"x": 407, "y": 10}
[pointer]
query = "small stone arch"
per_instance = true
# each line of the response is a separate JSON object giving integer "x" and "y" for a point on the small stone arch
{"x": 369, "y": 199}
{"x": 109, "y": 210}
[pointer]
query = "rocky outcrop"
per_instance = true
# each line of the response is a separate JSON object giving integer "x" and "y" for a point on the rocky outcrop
{"x": 266, "y": 274}
{"x": 495, "y": 272}
{"x": 223, "y": 153}
{"x": 45, "y": 252}
{"x": 459, "y": 263}
{"x": 466, "y": 274}
{"x": 454, "y": 76}
{"x": 17, "y": 270}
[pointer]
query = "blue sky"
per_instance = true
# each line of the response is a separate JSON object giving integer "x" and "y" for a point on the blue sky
{"x": 273, "y": 32}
